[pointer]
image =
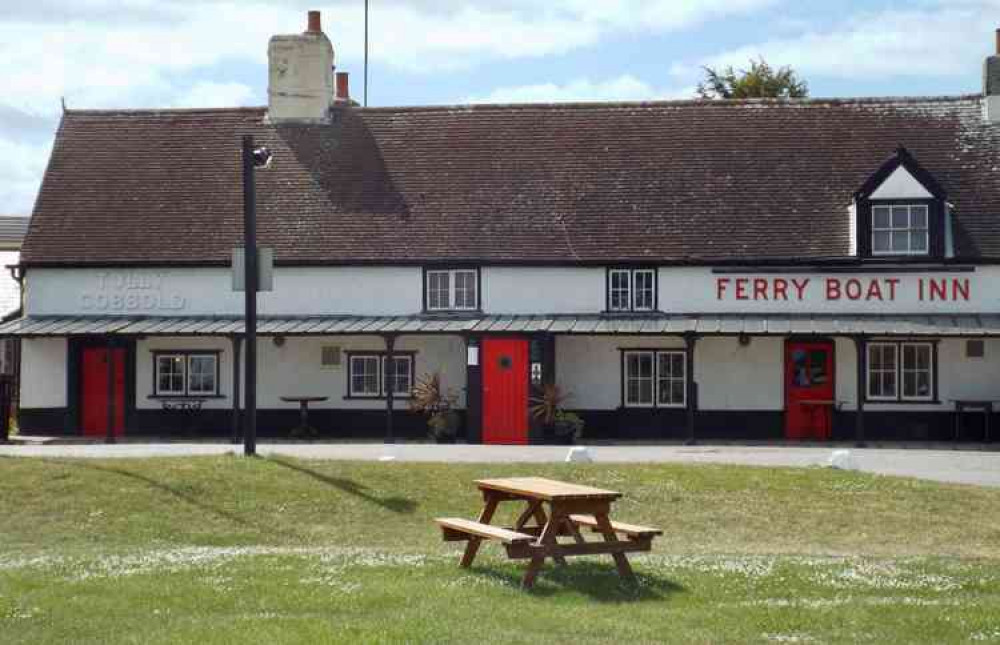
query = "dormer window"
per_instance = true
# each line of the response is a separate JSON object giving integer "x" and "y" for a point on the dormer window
{"x": 900, "y": 229}
{"x": 900, "y": 212}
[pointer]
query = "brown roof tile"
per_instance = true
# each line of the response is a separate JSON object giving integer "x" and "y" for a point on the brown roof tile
{"x": 548, "y": 183}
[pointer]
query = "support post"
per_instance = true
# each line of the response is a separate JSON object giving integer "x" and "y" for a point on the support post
{"x": 390, "y": 346}
{"x": 110, "y": 438}
{"x": 691, "y": 395}
{"x": 237, "y": 341}
{"x": 250, "y": 284}
{"x": 860, "y": 344}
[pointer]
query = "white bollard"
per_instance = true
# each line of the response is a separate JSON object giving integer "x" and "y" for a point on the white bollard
{"x": 579, "y": 454}
{"x": 841, "y": 460}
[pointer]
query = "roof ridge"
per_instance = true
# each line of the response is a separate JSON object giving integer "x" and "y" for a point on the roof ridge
{"x": 832, "y": 100}
{"x": 944, "y": 98}
{"x": 107, "y": 111}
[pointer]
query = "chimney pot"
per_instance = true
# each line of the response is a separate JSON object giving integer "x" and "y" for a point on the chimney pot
{"x": 343, "y": 88}
{"x": 315, "y": 22}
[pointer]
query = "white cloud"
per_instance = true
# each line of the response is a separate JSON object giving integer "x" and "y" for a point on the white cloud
{"x": 932, "y": 41}
{"x": 209, "y": 94}
{"x": 622, "y": 88}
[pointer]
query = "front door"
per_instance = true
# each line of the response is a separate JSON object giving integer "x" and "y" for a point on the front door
{"x": 94, "y": 399}
{"x": 809, "y": 389}
{"x": 505, "y": 390}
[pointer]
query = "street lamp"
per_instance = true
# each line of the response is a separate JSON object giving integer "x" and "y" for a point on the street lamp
{"x": 252, "y": 158}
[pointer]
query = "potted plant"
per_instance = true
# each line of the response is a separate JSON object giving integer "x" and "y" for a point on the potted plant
{"x": 564, "y": 427}
{"x": 432, "y": 400}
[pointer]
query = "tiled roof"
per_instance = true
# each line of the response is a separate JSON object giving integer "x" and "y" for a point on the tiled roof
{"x": 666, "y": 181}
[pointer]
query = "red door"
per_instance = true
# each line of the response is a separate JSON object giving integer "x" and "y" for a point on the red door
{"x": 94, "y": 391}
{"x": 505, "y": 390}
{"x": 809, "y": 389}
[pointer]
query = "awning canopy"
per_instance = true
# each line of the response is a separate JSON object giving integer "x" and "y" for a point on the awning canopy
{"x": 706, "y": 324}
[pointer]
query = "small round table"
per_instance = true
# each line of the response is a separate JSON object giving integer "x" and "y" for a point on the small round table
{"x": 304, "y": 428}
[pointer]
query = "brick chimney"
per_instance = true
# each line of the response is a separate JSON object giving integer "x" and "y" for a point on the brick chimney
{"x": 991, "y": 84}
{"x": 300, "y": 75}
{"x": 343, "y": 88}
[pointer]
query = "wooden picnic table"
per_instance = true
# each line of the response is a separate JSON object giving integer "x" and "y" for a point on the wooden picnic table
{"x": 552, "y": 509}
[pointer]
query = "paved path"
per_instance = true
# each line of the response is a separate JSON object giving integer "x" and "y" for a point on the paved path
{"x": 958, "y": 466}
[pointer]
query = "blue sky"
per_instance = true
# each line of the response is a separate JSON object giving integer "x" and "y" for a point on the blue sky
{"x": 192, "y": 53}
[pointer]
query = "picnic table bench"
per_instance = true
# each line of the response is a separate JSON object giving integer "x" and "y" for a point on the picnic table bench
{"x": 535, "y": 534}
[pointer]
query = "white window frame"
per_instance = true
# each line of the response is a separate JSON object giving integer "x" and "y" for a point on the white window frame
{"x": 398, "y": 393}
{"x": 351, "y": 371}
{"x": 651, "y": 273}
{"x": 451, "y": 290}
{"x": 380, "y": 375}
{"x": 656, "y": 377}
{"x": 910, "y": 230}
{"x": 629, "y": 294}
{"x": 682, "y": 378}
{"x": 191, "y": 358}
{"x": 903, "y": 370}
{"x": 899, "y": 369}
{"x": 185, "y": 359}
{"x": 180, "y": 359}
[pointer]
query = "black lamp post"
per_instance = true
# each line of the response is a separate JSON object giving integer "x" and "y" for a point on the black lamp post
{"x": 252, "y": 158}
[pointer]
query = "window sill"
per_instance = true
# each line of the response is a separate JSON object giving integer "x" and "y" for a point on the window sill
{"x": 366, "y": 397}
{"x": 903, "y": 402}
{"x": 186, "y": 396}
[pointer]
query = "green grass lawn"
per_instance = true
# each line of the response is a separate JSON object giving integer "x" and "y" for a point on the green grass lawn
{"x": 231, "y": 550}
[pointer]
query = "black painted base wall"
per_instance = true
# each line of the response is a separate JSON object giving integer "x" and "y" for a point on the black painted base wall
{"x": 330, "y": 424}
{"x": 630, "y": 424}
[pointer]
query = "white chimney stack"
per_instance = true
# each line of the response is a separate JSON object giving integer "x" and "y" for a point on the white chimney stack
{"x": 300, "y": 75}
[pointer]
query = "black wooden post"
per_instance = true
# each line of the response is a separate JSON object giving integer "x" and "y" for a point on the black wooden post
{"x": 690, "y": 340}
{"x": 110, "y": 438}
{"x": 250, "y": 287}
{"x": 387, "y": 383}
{"x": 860, "y": 343}
{"x": 237, "y": 341}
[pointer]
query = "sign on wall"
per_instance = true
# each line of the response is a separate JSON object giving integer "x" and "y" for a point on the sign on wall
{"x": 131, "y": 291}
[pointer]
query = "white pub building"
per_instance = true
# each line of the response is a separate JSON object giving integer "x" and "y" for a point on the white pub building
{"x": 764, "y": 269}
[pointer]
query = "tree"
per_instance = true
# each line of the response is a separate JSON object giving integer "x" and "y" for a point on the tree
{"x": 760, "y": 81}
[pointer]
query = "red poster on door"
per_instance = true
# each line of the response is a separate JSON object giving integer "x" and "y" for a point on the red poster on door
{"x": 809, "y": 390}
{"x": 94, "y": 398}
{"x": 505, "y": 390}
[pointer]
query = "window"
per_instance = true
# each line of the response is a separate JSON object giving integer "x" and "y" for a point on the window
{"x": 453, "y": 289}
{"x": 901, "y": 371}
{"x": 655, "y": 378}
{"x": 186, "y": 374}
{"x": 371, "y": 376}
{"x": 900, "y": 230}
{"x": 632, "y": 289}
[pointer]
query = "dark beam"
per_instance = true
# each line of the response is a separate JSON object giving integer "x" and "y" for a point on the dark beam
{"x": 237, "y": 341}
{"x": 390, "y": 346}
{"x": 690, "y": 340}
{"x": 861, "y": 344}
{"x": 110, "y": 438}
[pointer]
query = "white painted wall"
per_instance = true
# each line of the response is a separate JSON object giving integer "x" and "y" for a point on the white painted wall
{"x": 506, "y": 290}
{"x": 901, "y": 185}
{"x": 543, "y": 290}
{"x": 207, "y": 291}
{"x": 735, "y": 377}
{"x": 43, "y": 373}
